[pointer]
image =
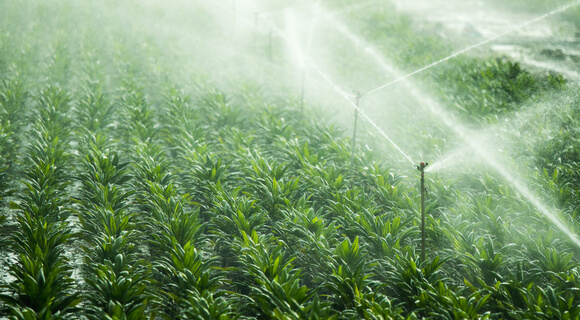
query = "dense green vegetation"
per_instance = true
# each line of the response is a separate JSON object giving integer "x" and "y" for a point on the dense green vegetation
{"x": 488, "y": 89}
{"x": 135, "y": 188}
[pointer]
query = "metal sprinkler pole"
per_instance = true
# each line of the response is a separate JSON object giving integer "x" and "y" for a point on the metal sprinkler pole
{"x": 358, "y": 95}
{"x": 421, "y": 168}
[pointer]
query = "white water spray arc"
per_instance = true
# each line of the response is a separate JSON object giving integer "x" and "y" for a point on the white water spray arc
{"x": 295, "y": 48}
{"x": 469, "y": 138}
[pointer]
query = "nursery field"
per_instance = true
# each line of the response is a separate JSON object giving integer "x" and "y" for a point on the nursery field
{"x": 258, "y": 160}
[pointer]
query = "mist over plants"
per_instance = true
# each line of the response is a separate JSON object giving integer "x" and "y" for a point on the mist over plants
{"x": 258, "y": 160}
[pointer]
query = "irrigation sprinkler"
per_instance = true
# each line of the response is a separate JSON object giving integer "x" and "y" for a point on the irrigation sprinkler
{"x": 357, "y": 95}
{"x": 421, "y": 168}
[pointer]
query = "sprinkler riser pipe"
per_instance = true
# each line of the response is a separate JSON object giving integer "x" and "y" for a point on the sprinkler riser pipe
{"x": 421, "y": 168}
{"x": 354, "y": 130}
{"x": 422, "y": 216}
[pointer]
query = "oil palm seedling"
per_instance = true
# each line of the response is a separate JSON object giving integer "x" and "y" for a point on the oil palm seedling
{"x": 171, "y": 220}
{"x": 385, "y": 234}
{"x": 13, "y": 96}
{"x": 206, "y": 306}
{"x": 5, "y": 155}
{"x": 271, "y": 127}
{"x": 186, "y": 275}
{"x": 179, "y": 109}
{"x": 53, "y": 112}
{"x": 351, "y": 278}
{"x": 152, "y": 166}
{"x": 205, "y": 178}
{"x": 275, "y": 287}
{"x": 120, "y": 287}
{"x": 489, "y": 261}
{"x": 95, "y": 112}
{"x": 44, "y": 287}
{"x": 139, "y": 118}
{"x": 315, "y": 237}
{"x": 414, "y": 281}
{"x": 219, "y": 110}
{"x": 236, "y": 213}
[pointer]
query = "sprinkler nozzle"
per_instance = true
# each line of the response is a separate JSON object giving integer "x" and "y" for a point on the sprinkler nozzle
{"x": 358, "y": 94}
{"x": 422, "y": 165}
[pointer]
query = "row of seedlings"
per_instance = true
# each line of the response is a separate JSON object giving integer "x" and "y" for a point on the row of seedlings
{"x": 247, "y": 206}
{"x": 239, "y": 208}
{"x": 43, "y": 286}
{"x": 115, "y": 273}
{"x": 12, "y": 115}
{"x": 189, "y": 282}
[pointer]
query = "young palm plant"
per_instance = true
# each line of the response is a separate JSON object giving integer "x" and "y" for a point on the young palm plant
{"x": 275, "y": 286}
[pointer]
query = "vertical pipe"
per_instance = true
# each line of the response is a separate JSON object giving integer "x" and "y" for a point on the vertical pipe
{"x": 358, "y": 96}
{"x": 422, "y": 215}
{"x": 421, "y": 168}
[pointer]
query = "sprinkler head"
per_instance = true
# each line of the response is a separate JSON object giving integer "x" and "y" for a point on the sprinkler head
{"x": 358, "y": 93}
{"x": 422, "y": 165}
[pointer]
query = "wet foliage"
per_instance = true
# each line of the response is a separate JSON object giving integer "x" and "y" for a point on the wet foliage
{"x": 131, "y": 193}
{"x": 484, "y": 90}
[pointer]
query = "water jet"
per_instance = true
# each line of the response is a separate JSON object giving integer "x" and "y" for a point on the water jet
{"x": 357, "y": 95}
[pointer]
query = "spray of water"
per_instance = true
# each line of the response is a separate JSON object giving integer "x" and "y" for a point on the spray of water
{"x": 348, "y": 98}
{"x": 492, "y": 159}
{"x": 533, "y": 198}
{"x": 232, "y": 9}
{"x": 453, "y": 159}
{"x": 358, "y": 42}
{"x": 500, "y": 35}
{"x": 312, "y": 27}
{"x": 483, "y": 152}
{"x": 335, "y": 87}
{"x": 307, "y": 51}
{"x": 356, "y": 6}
